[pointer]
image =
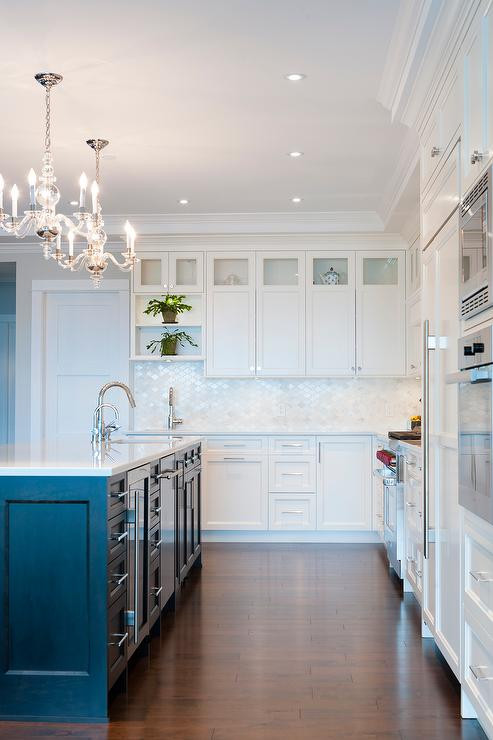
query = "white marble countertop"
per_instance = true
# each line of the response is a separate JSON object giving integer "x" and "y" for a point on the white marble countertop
{"x": 265, "y": 432}
{"x": 75, "y": 456}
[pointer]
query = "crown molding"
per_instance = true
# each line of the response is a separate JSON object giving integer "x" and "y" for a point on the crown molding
{"x": 425, "y": 45}
{"x": 248, "y": 223}
{"x": 406, "y": 165}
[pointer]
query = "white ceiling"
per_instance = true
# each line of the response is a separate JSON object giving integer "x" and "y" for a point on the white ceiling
{"x": 192, "y": 96}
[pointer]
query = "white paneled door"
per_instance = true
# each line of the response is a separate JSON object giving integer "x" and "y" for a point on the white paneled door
{"x": 86, "y": 344}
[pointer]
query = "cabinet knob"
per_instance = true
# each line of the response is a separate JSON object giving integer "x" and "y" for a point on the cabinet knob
{"x": 476, "y": 156}
{"x": 359, "y": 367}
{"x": 353, "y": 368}
{"x": 413, "y": 367}
{"x": 435, "y": 151}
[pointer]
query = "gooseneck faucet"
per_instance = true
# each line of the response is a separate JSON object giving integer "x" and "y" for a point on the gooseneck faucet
{"x": 101, "y": 432}
{"x": 172, "y": 419}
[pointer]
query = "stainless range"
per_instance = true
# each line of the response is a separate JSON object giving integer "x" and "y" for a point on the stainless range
{"x": 393, "y": 506}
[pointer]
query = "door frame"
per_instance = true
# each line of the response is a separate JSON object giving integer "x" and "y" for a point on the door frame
{"x": 40, "y": 290}
{"x": 10, "y": 320}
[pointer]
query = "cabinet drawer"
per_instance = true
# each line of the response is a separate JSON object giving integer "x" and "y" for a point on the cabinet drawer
{"x": 117, "y": 640}
{"x": 292, "y": 512}
{"x": 293, "y": 473}
{"x": 478, "y": 666}
{"x": 154, "y": 542}
{"x": 117, "y": 495}
{"x": 478, "y": 576}
{"x": 154, "y": 508}
{"x": 291, "y": 445}
{"x": 153, "y": 476}
{"x": 117, "y": 578}
{"x": 240, "y": 444}
{"x": 155, "y": 591}
{"x": 117, "y": 536}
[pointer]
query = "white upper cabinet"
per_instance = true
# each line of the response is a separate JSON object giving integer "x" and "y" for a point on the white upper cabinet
{"x": 474, "y": 154}
{"x": 231, "y": 314}
{"x": 380, "y": 313}
{"x": 330, "y": 313}
{"x": 281, "y": 313}
{"x": 156, "y": 272}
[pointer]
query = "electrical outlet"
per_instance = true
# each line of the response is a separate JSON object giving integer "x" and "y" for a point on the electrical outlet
{"x": 282, "y": 409}
{"x": 388, "y": 410}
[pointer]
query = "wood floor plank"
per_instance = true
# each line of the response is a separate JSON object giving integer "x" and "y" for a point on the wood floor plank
{"x": 285, "y": 642}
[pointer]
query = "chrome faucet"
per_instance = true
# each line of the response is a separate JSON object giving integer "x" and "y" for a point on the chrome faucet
{"x": 172, "y": 419}
{"x": 101, "y": 432}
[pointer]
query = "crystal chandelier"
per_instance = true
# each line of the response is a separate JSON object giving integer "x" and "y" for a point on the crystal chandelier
{"x": 42, "y": 219}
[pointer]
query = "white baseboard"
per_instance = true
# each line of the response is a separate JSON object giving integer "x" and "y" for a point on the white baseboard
{"x": 262, "y": 536}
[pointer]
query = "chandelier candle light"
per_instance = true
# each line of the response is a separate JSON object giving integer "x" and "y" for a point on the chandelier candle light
{"x": 41, "y": 217}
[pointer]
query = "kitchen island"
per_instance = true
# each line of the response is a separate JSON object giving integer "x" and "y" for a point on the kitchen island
{"x": 95, "y": 544}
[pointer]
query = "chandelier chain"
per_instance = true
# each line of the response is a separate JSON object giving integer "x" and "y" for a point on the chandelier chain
{"x": 97, "y": 163}
{"x": 48, "y": 119}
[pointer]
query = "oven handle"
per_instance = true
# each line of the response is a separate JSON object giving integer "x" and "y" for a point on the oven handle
{"x": 481, "y": 374}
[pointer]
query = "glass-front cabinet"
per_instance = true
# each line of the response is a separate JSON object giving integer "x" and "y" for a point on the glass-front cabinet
{"x": 330, "y": 314}
{"x": 169, "y": 271}
{"x": 380, "y": 313}
{"x": 280, "y": 314}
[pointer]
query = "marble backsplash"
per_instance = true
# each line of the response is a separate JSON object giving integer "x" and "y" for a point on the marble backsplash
{"x": 236, "y": 405}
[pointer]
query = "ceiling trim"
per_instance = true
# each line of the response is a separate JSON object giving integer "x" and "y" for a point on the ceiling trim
{"x": 397, "y": 184}
{"x": 248, "y": 223}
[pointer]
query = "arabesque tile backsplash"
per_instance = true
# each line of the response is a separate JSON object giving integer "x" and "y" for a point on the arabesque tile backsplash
{"x": 236, "y": 405}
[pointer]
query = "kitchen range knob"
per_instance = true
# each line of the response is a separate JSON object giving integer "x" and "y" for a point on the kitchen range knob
{"x": 435, "y": 151}
{"x": 476, "y": 157}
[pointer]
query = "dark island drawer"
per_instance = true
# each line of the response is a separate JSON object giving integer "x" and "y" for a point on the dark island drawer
{"x": 117, "y": 536}
{"x": 153, "y": 477}
{"x": 117, "y": 578}
{"x": 154, "y": 509}
{"x": 117, "y": 495}
{"x": 117, "y": 640}
{"x": 155, "y": 591}
{"x": 154, "y": 542}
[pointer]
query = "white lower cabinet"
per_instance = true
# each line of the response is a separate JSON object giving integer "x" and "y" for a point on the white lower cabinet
{"x": 344, "y": 483}
{"x": 292, "y": 473}
{"x": 477, "y": 618}
{"x": 290, "y": 511}
{"x": 235, "y": 492}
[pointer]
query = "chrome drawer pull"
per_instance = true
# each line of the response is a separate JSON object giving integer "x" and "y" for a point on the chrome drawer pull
{"x": 234, "y": 445}
{"x": 119, "y": 578}
{"x": 293, "y": 511}
{"x": 157, "y": 590}
{"x": 120, "y": 643}
{"x": 156, "y": 510}
{"x": 481, "y": 576}
{"x": 168, "y": 474}
{"x": 120, "y": 537}
{"x": 480, "y": 672}
{"x": 157, "y": 544}
{"x": 118, "y": 495}
{"x": 233, "y": 458}
{"x": 410, "y": 504}
{"x": 288, "y": 473}
{"x": 292, "y": 444}
{"x": 419, "y": 573}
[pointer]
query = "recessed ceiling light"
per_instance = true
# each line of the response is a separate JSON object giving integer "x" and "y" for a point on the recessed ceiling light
{"x": 183, "y": 202}
{"x": 295, "y": 154}
{"x": 74, "y": 202}
{"x": 296, "y": 199}
{"x": 295, "y": 77}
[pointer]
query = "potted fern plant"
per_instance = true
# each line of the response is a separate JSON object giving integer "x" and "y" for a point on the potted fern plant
{"x": 169, "y": 306}
{"x": 168, "y": 342}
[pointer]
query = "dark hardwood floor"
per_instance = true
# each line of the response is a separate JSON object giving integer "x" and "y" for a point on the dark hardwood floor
{"x": 292, "y": 642}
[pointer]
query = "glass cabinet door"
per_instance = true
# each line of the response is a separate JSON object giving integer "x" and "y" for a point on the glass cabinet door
{"x": 380, "y": 271}
{"x": 231, "y": 272}
{"x": 281, "y": 272}
{"x": 329, "y": 272}
{"x": 151, "y": 272}
{"x": 186, "y": 272}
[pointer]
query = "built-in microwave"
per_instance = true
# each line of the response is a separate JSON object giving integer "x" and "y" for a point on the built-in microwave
{"x": 476, "y": 250}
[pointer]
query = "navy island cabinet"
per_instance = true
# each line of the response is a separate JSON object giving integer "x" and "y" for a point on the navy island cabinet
{"x": 87, "y": 565}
